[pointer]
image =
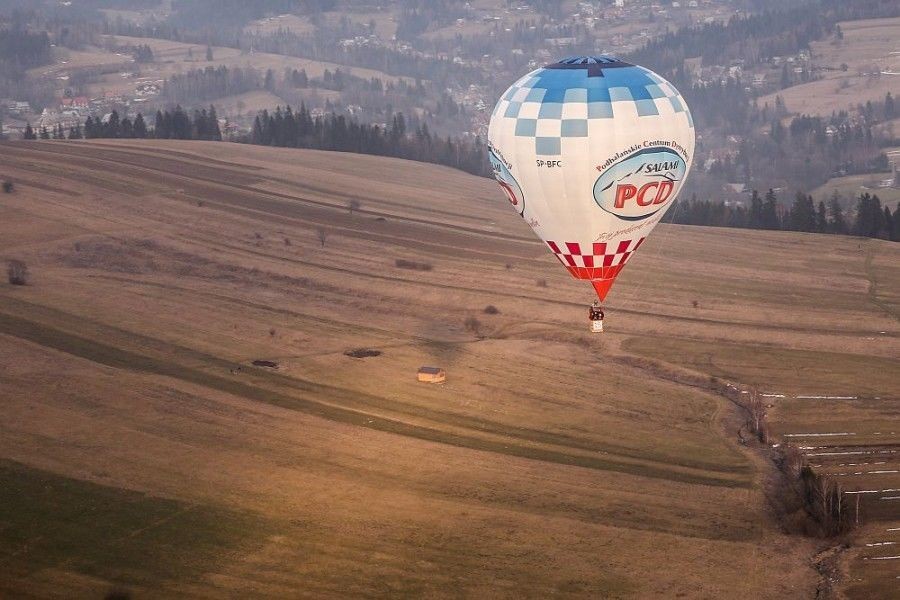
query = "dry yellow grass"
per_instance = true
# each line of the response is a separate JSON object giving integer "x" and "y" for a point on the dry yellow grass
{"x": 269, "y": 25}
{"x": 545, "y": 465}
{"x": 171, "y": 57}
{"x": 68, "y": 61}
{"x": 851, "y": 186}
{"x": 869, "y": 46}
{"x": 248, "y": 103}
{"x": 384, "y": 19}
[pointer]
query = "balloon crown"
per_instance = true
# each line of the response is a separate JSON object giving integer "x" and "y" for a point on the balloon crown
{"x": 589, "y": 60}
{"x": 593, "y": 64}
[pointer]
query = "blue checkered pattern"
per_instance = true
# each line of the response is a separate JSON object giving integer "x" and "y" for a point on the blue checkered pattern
{"x": 551, "y": 104}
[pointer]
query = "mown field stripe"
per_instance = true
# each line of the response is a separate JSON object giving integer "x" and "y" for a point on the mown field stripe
{"x": 271, "y": 199}
{"x": 494, "y": 292}
{"x": 62, "y": 524}
{"x": 99, "y": 155}
{"x": 361, "y": 401}
{"x": 111, "y": 356}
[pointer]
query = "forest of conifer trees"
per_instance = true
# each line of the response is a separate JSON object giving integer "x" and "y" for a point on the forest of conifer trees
{"x": 287, "y": 128}
{"x": 870, "y": 219}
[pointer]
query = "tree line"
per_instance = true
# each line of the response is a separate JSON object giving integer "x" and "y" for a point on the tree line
{"x": 176, "y": 124}
{"x": 179, "y": 125}
{"x": 213, "y": 82}
{"x": 289, "y": 129}
{"x": 20, "y": 49}
{"x": 870, "y": 219}
{"x": 300, "y": 129}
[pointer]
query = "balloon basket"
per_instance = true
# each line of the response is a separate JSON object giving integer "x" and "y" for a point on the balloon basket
{"x": 597, "y": 326}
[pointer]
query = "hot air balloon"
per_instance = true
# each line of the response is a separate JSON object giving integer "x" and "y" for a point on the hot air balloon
{"x": 591, "y": 152}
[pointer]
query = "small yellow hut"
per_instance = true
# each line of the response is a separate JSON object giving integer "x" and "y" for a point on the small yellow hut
{"x": 432, "y": 375}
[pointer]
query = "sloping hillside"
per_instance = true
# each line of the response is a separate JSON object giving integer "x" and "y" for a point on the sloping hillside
{"x": 551, "y": 462}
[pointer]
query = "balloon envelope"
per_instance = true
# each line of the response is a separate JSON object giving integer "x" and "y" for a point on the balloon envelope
{"x": 591, "y": 152}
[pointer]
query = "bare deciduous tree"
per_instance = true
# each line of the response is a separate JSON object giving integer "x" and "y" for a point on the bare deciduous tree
{"x": 353, "y": 204}
{"x": 793, "y": 460}
{"x": 764, "y": 432}
{"x": 825, "y": 497}
{"x": 322, "y": 235}
{"x": 838, "y": 497}
{"x": 757, "y": 408}
{"x": 8, "y": 187}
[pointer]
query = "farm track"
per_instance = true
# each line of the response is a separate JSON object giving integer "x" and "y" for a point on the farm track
{"x": 290, "y": 392}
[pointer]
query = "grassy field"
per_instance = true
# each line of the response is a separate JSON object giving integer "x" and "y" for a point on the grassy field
{"x": 171, "y": 58}
{"x": 549, "y": 463}
{"x": 384, "y": 18}
{"x": 851, "y": 186}
{"x": 287, "y": 22}
{"x": 68, "y": 61}
{"x": 248, "y": 103}
{"x": 779, "y": 369}
{"x": 59, "y": 531}
{"x": 869, "y": 49}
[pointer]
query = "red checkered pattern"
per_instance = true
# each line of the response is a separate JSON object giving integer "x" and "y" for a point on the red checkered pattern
{"x": 600, "y": 260}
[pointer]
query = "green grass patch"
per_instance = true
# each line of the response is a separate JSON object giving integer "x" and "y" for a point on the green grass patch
{"x": 121, "y": 536}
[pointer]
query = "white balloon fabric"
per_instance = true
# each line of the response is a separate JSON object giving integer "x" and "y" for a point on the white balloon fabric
{"x": 591, "y": 152}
